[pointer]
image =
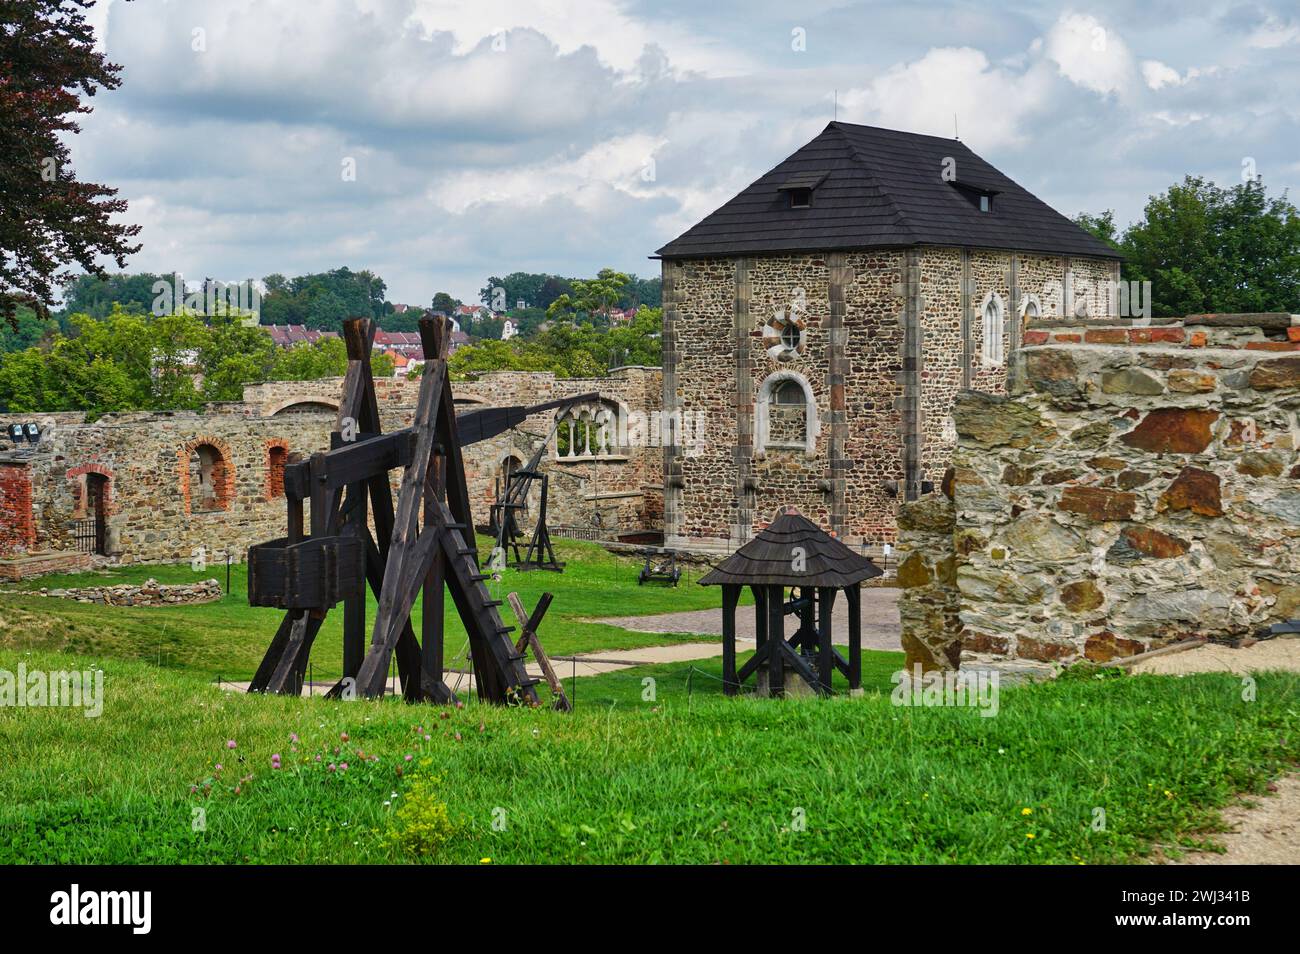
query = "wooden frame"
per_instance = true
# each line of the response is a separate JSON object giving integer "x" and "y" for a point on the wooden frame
{"x": 425, "y": 543}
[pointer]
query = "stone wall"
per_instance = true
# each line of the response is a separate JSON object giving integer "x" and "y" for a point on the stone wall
{"x": 1139, "y": 485}
{"x": 183, "y": 485}
{"x": 148, "y": 593}
{"x": 887, "y": 340}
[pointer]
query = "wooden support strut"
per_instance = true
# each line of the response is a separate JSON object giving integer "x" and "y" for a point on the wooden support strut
{"x": 405, "y": 554}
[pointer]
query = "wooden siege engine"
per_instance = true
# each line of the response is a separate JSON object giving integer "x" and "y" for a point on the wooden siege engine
{"x": 425, "y": 543}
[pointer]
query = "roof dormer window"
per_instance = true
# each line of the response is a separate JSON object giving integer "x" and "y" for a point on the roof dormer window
{"x": 797, "y": 189}
{"x": 979, "y": 196}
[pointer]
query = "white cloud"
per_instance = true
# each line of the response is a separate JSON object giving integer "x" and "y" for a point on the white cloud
{"x": 1157, "y": 74}
{"x": 1273, "y": 33}
{"x": 990, "y": 103}
{"x": 1089, "y": 54}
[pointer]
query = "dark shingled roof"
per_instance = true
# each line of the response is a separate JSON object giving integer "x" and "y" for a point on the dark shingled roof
{"x": 881, "y": 188}
{"x": 768, "y": 559}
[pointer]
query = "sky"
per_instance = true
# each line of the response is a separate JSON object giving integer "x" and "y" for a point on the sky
{"x": 439, "y": 143}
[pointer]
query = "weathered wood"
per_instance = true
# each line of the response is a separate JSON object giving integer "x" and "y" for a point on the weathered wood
{"x": 406, "y": 553}
{"x": 854, "y": 595}
{"x": 825, "y": 655}
{"x": 402, "y": 567}
{"x": 776, "y": 636}
{"x": 529, "y": 638}
{"x": 730, "y": 597}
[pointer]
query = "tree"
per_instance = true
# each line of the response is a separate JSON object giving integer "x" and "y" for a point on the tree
{"x": 1101, "y": 226}
{"x": 590, "y": 297}
{"x": 1208, "y": 249}
{"x": 48, "y": 218}
{"x": 444, "y": 303}
{"x": 323, "y": 300}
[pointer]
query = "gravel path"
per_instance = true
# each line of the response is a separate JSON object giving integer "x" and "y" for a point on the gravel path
{"x": 1266, "y": 831}
{"x": 881, "y": 628}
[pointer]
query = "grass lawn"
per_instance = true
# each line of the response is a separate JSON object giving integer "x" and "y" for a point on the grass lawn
{"x": 228, "y": 638}
{"x": 677, "y": 779}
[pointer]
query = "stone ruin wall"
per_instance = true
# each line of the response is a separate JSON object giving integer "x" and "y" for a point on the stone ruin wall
{"x": 145, "y": 458}
{"x": 716, "y": 360}
{"x": 1140, "y": 485}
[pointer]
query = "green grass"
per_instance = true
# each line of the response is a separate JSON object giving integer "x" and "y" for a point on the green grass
{"x": 699, "y": 779}
{"x": 228, "y": 638}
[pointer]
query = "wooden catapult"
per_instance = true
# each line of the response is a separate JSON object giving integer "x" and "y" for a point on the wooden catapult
{"x": 426, "y": 543}
{"x": 512, "y": 500}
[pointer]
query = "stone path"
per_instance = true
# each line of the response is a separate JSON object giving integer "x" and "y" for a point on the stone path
{"x": 881, "y": 628}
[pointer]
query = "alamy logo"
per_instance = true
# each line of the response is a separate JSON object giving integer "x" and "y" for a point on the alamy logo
{"x": 37, "y": 689}
{"x": 103, "y": 907}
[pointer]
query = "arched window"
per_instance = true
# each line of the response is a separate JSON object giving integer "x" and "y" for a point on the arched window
{"x": 209, "y": 479}
{"x": 1033, "y": 310}
{"x": 786, "y": 414}
{"x": 276, "y": 457}
{"x": 994, "y": 347}
{"x": 588, "y": 430}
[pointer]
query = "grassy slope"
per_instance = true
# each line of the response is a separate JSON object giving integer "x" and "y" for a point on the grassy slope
{"x": 228, "y": 638}
{"x": 704, "y": 781}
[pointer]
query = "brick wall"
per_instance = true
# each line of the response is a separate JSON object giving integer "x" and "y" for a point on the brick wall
{"x": 17, "y": 525}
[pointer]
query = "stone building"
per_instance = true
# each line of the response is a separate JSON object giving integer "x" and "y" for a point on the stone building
{"x": 148, "y": 487}
{"x": 822, "y": 322}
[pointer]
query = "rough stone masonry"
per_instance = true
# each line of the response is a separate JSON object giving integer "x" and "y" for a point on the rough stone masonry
{"x": 1138, "y": 485}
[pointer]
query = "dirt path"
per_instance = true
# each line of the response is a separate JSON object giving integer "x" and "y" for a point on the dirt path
{"x": 1265, "y": 830}
{"x": 1265, "y": 833}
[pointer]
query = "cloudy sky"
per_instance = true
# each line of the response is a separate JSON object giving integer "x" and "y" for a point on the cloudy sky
{"x": 440, "y": 142}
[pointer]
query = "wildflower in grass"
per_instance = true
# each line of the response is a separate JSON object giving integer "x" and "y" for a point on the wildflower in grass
{"x": 230, "y": 743}
{"x": 293, "y": 737}
{"x": 343, "y": 736}
{"x": 343, "y": 766}
{"x": 485, "y": 861}
{"x": 1029, "y": 834}
{"x": 332, "y": 767}
{"x": 1026, "y": 811}
{"x": 1168, "y": 794}
{"x": 457, "y": 736}
{"x": 408, "y": 757}
{"x": 217, "y": 767}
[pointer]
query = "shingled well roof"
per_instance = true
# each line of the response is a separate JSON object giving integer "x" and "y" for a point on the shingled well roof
{"x": 881, "y": 188}
{"x": 769, "y": 558}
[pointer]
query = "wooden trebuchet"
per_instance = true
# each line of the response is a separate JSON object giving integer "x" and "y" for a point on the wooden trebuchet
{"x": 426, "y": 543}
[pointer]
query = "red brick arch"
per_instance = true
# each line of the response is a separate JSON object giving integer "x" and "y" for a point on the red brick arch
{"x": 277, "y": 455}
{"x": 78, "y": 486}
{"x": 223, "y": 472}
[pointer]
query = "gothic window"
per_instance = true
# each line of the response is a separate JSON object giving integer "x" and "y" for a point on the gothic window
{"x": 588, "y": 431}
{"x": 994, "y": 346}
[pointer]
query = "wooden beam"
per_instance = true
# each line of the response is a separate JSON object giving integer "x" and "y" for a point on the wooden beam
{"x": 776, "y": 636}
{"x": 854, "y": 594}
{"x": 825, "y": 654}
{"x": 407, "y": 557}
{"x": 730, "y": 597}
{"x": 528, "y": 637}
